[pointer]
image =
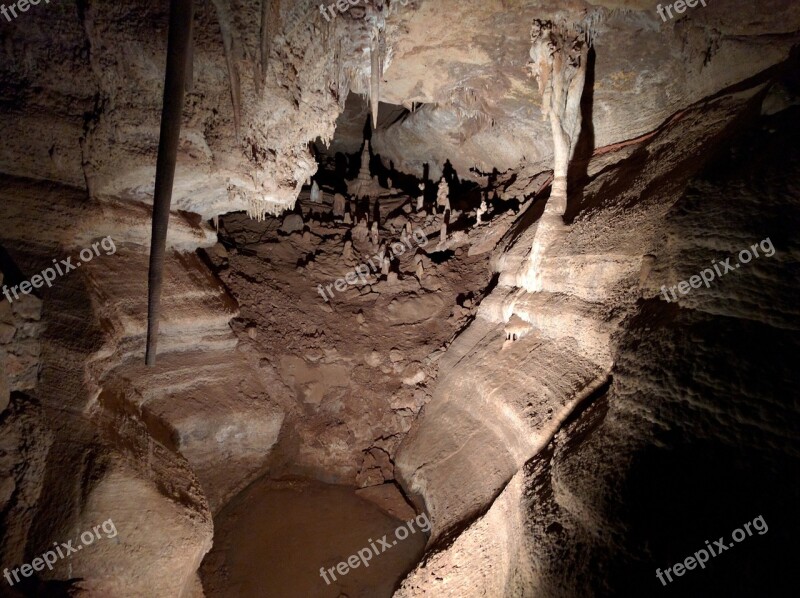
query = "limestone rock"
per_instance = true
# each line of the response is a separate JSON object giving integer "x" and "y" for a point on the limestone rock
{"x": 292, "y": 223}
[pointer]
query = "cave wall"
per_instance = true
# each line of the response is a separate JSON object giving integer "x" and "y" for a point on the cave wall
{"x": 694, "y": 434}
{"x": 100, "y": 437}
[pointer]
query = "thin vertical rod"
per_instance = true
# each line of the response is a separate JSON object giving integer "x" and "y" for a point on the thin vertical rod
{"x": 178, "y": 53}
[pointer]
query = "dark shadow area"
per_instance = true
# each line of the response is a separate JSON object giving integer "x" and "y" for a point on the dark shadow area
{"x": 701, "y": 437}
{"x": 685, "y": 498}
{"x": 35, "y": 587}
{"x": 703, "y": 476}
{"x": 12, "y": 275}
{"x": 578, "y": 171}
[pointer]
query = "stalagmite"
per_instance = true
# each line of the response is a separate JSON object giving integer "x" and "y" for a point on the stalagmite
{"x": 443, "y": 196}
{"x": 292, "y": 223}
{"x": 361, "y": 232}
{"x": 316, "y": 194}
{"x": 481, "y": 211}
{"x": 374, "y": 234}
{"x": 338, "y": 205}
{"x": 364, "y": 185}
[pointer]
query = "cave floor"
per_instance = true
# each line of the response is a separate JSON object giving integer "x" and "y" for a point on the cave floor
{"x": 351, "y": 374}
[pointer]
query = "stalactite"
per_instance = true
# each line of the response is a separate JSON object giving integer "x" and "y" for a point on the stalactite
{"x": 189, "y": 87}
{"x": 263, "y": 62}
{"x": 375, "y": 74}
{"x": 376, "y": 21}
{"x": 270, "y": 19}
{"x": 232, "y": 51}
{"x": 340, "y": 80}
